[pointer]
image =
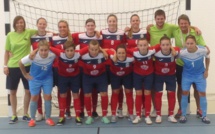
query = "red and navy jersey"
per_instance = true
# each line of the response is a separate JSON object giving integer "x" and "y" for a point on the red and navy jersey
{"x": 83, "y": 39}
{"x": 121, "y": 68}
{"x": 93, "y": 66}
{"x": 143, "y": 64}
{"x": 132, "y": 41}
{"x": 68, "y": 66}
{"x": 112, "y": 40}
{"x": 36, "y": 38}
{"x": 165, "y": 64}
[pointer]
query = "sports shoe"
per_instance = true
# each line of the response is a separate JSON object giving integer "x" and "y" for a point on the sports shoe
{"x": 199, "y": 113}
{"x": 26, "y": 118}
{"x": 158, "y": 119}
{"x": 32, "y": 123}
{"x": 153, "y": 114}
{"x": 95, "y": 115}
{"x": 105, "y": 120}
{"x": 143, "y": 112}
{"x": 178, "y": 115}
{"x": 206, "y": 120}
{"x": 61, "y": 121}
{"x": 13, "y": 119}
{"x": 39, "y": 117}
{"x": 89, "y": 120}
{"x": 183, "y": 119}
{"x": 172, "y": 119}
{"x": 68, "y": 115}
{"x": 130, "y": 118}
{"x": 78, "y": 121}
{"x": 120, "y": 113}
{"x": 113, "y": 119}
{"x": 136, "y": 120}
{"x": 50, "y": 122}
{"x": 82, "y": 115}
{"x": 148, "y": 120}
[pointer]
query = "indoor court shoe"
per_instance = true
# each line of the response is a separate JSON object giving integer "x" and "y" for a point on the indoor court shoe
{"x": 68, "y": 115}
{"x": 26, "y": 118}
{"x": 158, "y": 119}
{"x": 136, "y": 120}
{"x": 32, "y": 123}
{"x": 50, "y": 122}
{"x": 148, "y": 120}
{"x": 89, "y": 120}
{"x": 130, "y": 118}
{"x": 172, "y": 119}
{"x": 120, "y": 113}
{"x": 39, "y": 117}
{"x": 153, "y": 114}
{"x": 206, "y": 120}
{"x": 13, "y": 120}
{"x": 78, "y": 121}
{"x": 95, "y": 115}
{"x": 113, "y": 119}
{"x": 183, "y": 119}
{"x": 199, "y": 113}
{"x": 105, "y": 120}
{"x": 61, "y": 121}
{"x": 178, "y": 115}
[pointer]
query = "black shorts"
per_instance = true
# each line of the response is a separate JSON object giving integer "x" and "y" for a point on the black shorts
{"x": 179, "y": 70}
{"x": 15, "y": 74}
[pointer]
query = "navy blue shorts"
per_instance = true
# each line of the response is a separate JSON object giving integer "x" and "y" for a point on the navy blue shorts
{"x": 72, "y": 82}
{"x": 55, "y": 76}
{"x": 179, "y": 70}
{"x": 169, "y": 80}
{"x": 140, "y": 80}
{"x": 118, "y": 81}
{"x": 12, "y": 80}
{"x": 100, "y": 83}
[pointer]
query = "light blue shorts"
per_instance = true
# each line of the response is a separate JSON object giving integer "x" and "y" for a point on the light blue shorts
{"x": 36, "y": 85}
{"x": 199, "y": 81}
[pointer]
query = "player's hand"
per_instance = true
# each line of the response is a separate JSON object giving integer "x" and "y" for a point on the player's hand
{"x": 33, "y": 54}
{"x": 114, "y": 58}
{"x": 198, "y": 31}
{"x": 206, "y": 74}
{"x": 28, "y": 76}
{"x": 98, "y": 34}
{"x": 6, "y": 71}
{"x": 148, "y": 27}
{"x": 127, "y": 29}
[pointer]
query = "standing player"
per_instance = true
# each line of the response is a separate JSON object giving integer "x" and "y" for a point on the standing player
{"x": 83, "y": 39}
{"x": 94, "y": 76}
{"x": 17, "y": 46}
{"x": 69, "y": 77}
{"x": 194, "y": 72}
{"x": 40, "y": 76}
{"x": 121, "y": 75}
{"x": 112, "y": 37}
{"x": 165, "y": 67}
{"x": 180, "y": 34}
{"x": 40, "y": 35}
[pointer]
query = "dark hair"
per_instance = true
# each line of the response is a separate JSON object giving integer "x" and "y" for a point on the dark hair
{"x": 164, "y": 37}
{"x": 183, "y": 17}
{"x": 160, "y": 12}
{"x": 16, "y": 19}
{"x": 41, "y": 18}
{"x": 190, "y": 37}
{"x": 68, "y": 44}
{"x": 131, "y": 30}
{"x": 123, "y": 46}
{"x": 90, "y": 20}
{"x": 94, "y": 42}
{"x": 142, "y": 39}
{"x": 112, "y": 15}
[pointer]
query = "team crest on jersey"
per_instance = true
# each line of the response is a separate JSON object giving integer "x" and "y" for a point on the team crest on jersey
{"x": 120, "y": 73}
{"x": 70, "y": 70}
{"x": 144, "y": 67}
{"x": 118, "y": 37}
{"x": 165, "y": 70}
{"x": 94, "y": 72}
{"x": 142, "y": 36}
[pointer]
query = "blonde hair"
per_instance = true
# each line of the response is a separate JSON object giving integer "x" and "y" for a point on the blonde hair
{"x": 43, "y": 43}
{"x": 67, "y": 24}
